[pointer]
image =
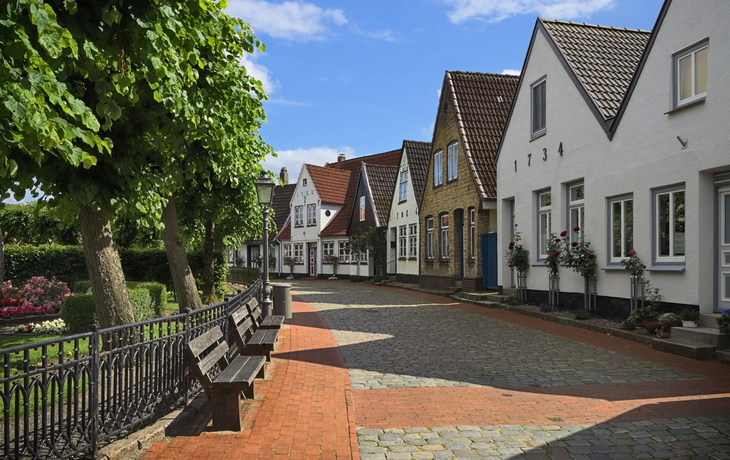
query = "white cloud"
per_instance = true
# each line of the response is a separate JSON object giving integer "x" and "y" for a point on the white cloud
{"x": 259, "y": 72}
{"x": 497, "y": 10}
{"x": 293, "y": 160}
{"x": 295, "y": 20}
{"x": 386, "y": 35}
{"x": 510, "y": 72}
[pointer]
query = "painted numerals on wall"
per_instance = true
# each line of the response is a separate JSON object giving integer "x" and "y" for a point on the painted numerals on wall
{"x": 544, "y": 156}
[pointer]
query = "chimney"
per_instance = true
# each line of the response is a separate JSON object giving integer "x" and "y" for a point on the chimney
{"x": 341, "y": 157}
{"x": 284, "y": 176}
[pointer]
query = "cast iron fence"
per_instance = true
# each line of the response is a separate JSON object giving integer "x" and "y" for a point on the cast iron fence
{"x": 65, "y": 397}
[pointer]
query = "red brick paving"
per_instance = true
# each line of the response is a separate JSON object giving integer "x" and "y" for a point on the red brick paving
{"x": 306, "y": 410}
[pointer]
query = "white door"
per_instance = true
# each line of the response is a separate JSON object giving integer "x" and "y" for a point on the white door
{"x": 723, "y": 243}
{"x": 312, "y": 261}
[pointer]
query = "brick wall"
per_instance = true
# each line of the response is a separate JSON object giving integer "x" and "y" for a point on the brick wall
{"x": 437, "y": 283}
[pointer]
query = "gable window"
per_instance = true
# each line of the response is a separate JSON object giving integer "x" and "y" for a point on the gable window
{"x": 412, "y": 241}
{"x": 538, "y": 108}
{"x": 669, "y": 224}
{"x": 690, "y": 74}
{"x": 298, "y": 216}
{"x": 444, "y": 236}
{"x": 452, "y": 161}
{"x": 472, "y": 233}
{"x": 437, "y": 169}
{"x": 311, "y": 214}
{"x": 544, "y": 217}
{"x": 298, "y": 253}
{"x": 622, "y": 227}
{"x": 362, "y": 208}
{"x": 343, "y": 252}
{"x": 328, "y": 248}
{"x": 402, "y": 241}
{"x": 576, "y": 211}
{"x": 403, "y": 192}
{"x": 429, "y": 238}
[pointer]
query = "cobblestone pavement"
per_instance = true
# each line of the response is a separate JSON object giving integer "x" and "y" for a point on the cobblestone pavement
{"x": 395, "y": 341}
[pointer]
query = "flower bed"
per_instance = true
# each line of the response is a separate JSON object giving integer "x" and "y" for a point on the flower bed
{"x": 39, "y": 296}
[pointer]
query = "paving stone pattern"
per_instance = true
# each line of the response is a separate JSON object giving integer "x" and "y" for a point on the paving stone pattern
{"x": 390, "y": 340}
{"x": 697, "y": 438}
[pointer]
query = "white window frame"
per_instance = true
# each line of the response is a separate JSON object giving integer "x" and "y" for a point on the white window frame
{"x": 544, "y": 222}
{"x": 299, "y": 216}
{"x": 671, "y": 192}
{"x": 311, "y": 214}
{"x": 298, "y": 253}
{"x": 625, "y": 221}
{"x": 576, "y": 211}
{"x": 472, "y": 232}
{"x": 343, "y": 253}
{"x": 691, "y": 54}
{"x": 538, "y": 109}
{"x": 362, "y": 208}
{"x": 287, "y": 250}
{"x": 444, "y": 236}
{"x": 328, "y": 248}
{"x": 429, "y": 238}
{"x": 412, "y": 241}
{"x": 402, "y": 240}
{"x": 403, "y": 190}
{"x": 438, "y": 165}
{"x": 452, "y": 163}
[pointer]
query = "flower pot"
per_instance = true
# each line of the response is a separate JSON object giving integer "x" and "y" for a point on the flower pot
{"x": 689, "y": 323}
{"x": 650, "y": 324}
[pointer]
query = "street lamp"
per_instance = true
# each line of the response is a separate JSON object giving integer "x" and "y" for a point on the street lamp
{"x": 264, "y": 191}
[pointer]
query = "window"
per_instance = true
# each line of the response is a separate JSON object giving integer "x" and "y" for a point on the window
{"x": 437, "y": 169}
{"x": 472, "y": 233}
{"x": 298, "y": 253}
{"x": 690, "y": 74}
{"x": 622, "y": 227}
{"x": 402, "y": 241}
{"x": 403, "y": 194}
{"x": 412, "y": 241}
{"x": 287, "y": 250}
{"x": 452, "y": 161}
{"x": 362, "y": 208}
{"x": 343, "y": 252}
{"x": 444, "y": 236}
{"x": 544, "y": 216}
{"x": 538, "y": 108}
{"x": 429, "y": 238}
{"x": 576, "y": 211}
{"x": 328, "y": 248}
{"x": 669, "y": 224}
{"x": 311, "y": 214}
{"x": 298, "y": 216}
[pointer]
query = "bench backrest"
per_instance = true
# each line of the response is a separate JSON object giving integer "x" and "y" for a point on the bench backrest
{"x": 242, "y": 327}
{"x": 255, "y": 309}
{"x": 215, "y": 344}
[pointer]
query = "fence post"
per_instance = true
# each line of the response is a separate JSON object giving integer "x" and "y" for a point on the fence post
{"x": 186, "y": 363}
{"x": 94, "y": 390}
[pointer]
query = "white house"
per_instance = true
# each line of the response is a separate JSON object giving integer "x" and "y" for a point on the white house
{"x": 623, "y": 133}
{"x": 403, "y": 223}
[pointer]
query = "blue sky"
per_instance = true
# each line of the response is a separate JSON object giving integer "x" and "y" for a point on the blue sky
{"x": 360, "y": 76}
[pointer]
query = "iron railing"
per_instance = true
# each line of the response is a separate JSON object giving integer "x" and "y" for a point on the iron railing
{"x": 66, "y": 397}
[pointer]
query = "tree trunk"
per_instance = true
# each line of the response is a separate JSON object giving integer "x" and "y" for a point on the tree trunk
{"x": 113, "y": 306}
{"x": 186, "y": 290}
{"x": 209, "y": 249}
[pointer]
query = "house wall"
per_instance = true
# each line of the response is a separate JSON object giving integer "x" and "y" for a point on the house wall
{"x": 644, "y": 155}
{"x": 305, "y": 234}
{"x": 403, "y": 213}
{"x": 449, "y": 197}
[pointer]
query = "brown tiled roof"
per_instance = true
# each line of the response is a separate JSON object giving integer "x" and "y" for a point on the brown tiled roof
{"x": 338, "y": 225}
{"x": 381, "y": 180}
{"x": 280, "y": 210}
{"x": 419, "y": 154}
{"x": 603, "y": 58}
{"x": 285, "y": 233}
{"x": 482, "y": 103}
{"x": 330, "y": 184}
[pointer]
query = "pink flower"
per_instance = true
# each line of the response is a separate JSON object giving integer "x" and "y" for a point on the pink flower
{"x": 576, "y": 229}
{"x": 632, "y": 252}
{"x": 511, "y": 246}
{"x": 591, "y": 256}
{"x": 557, "y": 240}
{"x": 563, "y": 233}
{"x": 574, "y": 244}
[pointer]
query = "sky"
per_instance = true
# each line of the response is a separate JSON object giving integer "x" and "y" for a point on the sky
{"x": 360, "y": 76}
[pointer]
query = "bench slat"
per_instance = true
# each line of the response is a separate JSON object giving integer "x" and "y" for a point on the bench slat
{"x": 240, "y": 373}
{"x": 215, "y": 356}
{"x": 272, "y": 322}
{"x": 263, "y": 338}
{"x": 199, "y": 344}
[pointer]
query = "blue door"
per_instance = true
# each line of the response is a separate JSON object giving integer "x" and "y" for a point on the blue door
{"x": 489, "y": 260}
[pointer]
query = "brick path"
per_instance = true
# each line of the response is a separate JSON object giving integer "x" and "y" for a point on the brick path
{"x": 437, "y": 379}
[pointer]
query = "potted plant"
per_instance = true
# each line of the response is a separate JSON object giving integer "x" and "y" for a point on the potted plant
{"x": 723, "y": 321}
{"x": 332, "y": 259}
{"x": 666, "y": 322}
{"x": 689, "y": 317}
{"x": 649, "y": 313}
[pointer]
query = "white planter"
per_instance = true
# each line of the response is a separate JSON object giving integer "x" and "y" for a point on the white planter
{"x": 689, "y": 323}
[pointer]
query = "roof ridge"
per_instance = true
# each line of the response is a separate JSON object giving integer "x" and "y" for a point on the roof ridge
{"x": 598, "y": 26}
{"x": 471, "y": 72}
{"x": 327, "y": 169}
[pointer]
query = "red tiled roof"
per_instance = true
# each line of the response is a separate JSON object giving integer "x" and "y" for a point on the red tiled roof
{"x": 330, "y": 184}
{"x": 338, "y": 225}
{"x": 285, "y": 233}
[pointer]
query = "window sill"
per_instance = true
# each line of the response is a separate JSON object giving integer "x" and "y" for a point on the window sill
{"x": 539, "y": 263}
{"x": 613, "y": 267}
{"x": 471, "y": 259}
{"x": 538, "y": 135}
{"x": 452, "y": 180}
{"x": 438, "y": 185}
{"x": 428, "y": 260}
{"x": 402, "y": 201}
{"x": 311, "y": 225}
{"x": 686, "y": 105}
{"x": 678, "y": 267}
{"x": 413, "y": 258}
{"x": 402, "y": 258}
{"x": 444, "y": 259}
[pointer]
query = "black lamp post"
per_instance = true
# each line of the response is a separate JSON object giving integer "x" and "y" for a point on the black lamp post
{"x": 264, "y": 191}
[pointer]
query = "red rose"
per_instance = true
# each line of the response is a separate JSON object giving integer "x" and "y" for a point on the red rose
{"x": 576, "y": 229}
{"x": 574, "y": 244}
{"x": 563, "y": 233}
{"x": 557, "y": 253}
{"x": 591, "y": 256}
{"x": 557, "y": 240}
{"x": 511, "y": 245}
{"x": 632, "y": 252}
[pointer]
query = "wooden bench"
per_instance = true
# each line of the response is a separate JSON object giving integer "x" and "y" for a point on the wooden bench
{"x": 224, "y": 390}
{"x": 251, "y": 341}
{"x": 270, "y": 322}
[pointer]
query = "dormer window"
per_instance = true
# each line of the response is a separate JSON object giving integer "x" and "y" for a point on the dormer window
{"x": 690, "y": 74}
{"x": 304, "y": 182}
{"x": 539, "y": 124}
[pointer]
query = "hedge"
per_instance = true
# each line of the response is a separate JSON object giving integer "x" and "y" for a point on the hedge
{"x": 158, "y": 292}
{"x": 79, "y": 314}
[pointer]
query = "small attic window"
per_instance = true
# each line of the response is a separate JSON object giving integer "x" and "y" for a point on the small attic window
{"x": 499, "y": 99}
{"x": 304, "y": 182}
